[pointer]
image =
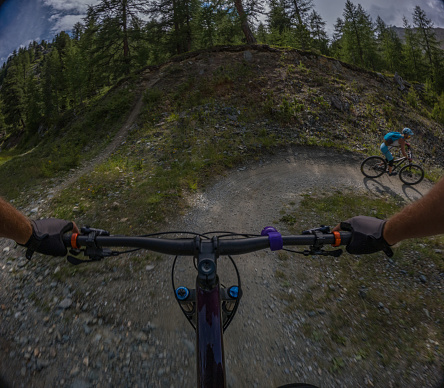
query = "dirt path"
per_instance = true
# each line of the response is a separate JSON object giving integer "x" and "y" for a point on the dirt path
{"x": 118, "y": 325}
{"x": 263, "y": 346}
{"x": 146, "y": 83}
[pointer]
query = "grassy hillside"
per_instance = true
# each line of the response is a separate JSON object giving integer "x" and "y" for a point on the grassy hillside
{"x": 207, "y": 112}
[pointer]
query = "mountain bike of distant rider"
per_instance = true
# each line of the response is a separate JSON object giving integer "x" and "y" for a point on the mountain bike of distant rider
{"x": 409, "y": 173}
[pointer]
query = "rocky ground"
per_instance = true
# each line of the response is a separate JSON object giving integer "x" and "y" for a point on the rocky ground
{"x": 116, "y": 323}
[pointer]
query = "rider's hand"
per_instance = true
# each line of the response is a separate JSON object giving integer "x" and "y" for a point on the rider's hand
{"x": 47, "y": 235}
{"x": 366, "y": 235}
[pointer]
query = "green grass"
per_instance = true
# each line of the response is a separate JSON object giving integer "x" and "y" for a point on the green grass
{"x": 62, "y": 149}
{"x": 375, "y": 307}
{"x": 5, "y": 157}
{"x": 147, "y": 177}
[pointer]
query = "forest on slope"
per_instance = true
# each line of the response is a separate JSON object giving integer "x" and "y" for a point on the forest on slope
{"x": 48, "y": 83}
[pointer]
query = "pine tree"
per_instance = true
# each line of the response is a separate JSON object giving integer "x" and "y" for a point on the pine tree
{"x": 245, "y": 26}
{"x": 430, "y": 46}
{"x": 114, "y": 19}
{"x": 13, "y": 95}
{"x": 262, "y": 33}
{"x": 359, "y": 45}
{"x": 336, "y": 46}
{"x": 389, "y": 47}
{"x": 206, "y": 25}
{"x": 298, "y": 12}
{"x": 415, "y": 68}
{"x": 277, "y": 18}
{"x": 33, "y": 104}
{"x": 317, "y": 31}
{"x": 50, "y": 91}
{"x": 426, "y": 35}
{"x": 175, "y": 18}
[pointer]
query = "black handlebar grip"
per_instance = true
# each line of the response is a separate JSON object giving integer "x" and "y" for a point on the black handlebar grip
{"x": 66, "y": 238}
{"x": 70, "y": 240}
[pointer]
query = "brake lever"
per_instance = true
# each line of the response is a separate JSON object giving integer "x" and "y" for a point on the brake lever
{"x": 321, "y": 229}
{"x": 95, "y": 254}
{"x": 316, "y": 249}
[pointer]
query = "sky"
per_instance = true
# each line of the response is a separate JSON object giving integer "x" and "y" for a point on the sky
{"x": 23, "y": 21}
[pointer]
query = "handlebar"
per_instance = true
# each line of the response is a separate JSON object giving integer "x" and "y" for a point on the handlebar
{"x": 98, "y": 239}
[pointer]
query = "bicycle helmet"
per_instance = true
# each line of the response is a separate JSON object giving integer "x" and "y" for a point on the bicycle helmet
{"x": 407, "y": 131}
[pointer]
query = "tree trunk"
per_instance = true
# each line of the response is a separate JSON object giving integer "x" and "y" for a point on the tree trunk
{"x": 244, "y": 22}
{"x": 126, "y": 53}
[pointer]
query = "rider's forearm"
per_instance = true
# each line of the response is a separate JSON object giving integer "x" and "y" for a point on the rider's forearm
{"x": 13, "y": 224}
{"x": 403, "y": 151}
{"x": 424, "y": 217}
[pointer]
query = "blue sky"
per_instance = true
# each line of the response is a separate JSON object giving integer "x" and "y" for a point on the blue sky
{"x": 22, "y": 21}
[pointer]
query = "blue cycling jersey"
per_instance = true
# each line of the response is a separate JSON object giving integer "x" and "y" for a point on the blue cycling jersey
{"x": 391, "y": 137}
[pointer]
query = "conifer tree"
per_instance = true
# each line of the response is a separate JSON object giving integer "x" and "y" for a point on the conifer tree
{"x": 359, "y": 45}
{"x": 318, "y": 33}
{"x": 414, "y": 66}
{"x": 389, "y": 47}
{"x": 206, "y": 27}
{"x": 245, "y": 26}
{"x": 114, "y": 19}
{"x": 175, "y": 18}
{"x": 430, "y": 47}
{"x": 50, "y": 91}
{"x": 426, "y": 35}
{"x": 298, "y": 12}
{"x": 336, "y": 46}
{"x": 33, "y": 104}
{"x": 277, "y": 19}
{"x": 13, "y": 96}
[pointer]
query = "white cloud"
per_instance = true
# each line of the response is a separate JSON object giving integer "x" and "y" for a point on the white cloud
{"x": 66, "y": 13}
{"x": 80, "y": 6}
{"x": 65, "y": 22}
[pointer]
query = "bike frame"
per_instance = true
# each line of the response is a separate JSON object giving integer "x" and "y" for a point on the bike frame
{"x": 209, "y": 330}
{"x": 399, "y": 162}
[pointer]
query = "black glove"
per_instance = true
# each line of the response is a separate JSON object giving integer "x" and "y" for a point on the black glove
{"x": 366, "y": 235}
{"x": 46, "y": 237}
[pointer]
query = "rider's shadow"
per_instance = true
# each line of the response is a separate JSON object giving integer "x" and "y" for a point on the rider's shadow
{"x": 411, "y": 193}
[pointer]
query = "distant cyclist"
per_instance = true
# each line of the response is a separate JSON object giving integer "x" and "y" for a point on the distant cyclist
{"x": 395, "y": 139}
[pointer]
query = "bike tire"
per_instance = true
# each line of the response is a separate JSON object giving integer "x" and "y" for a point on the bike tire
{"x": 411, "y": 174}
{"x": 373, "y": 167}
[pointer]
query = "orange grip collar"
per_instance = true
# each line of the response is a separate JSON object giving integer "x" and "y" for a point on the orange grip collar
{"x": 74, "y": 241}
{"x": 337, "y": 239}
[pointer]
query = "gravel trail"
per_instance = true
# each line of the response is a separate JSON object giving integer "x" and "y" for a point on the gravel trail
{"x": 118, "y": 324}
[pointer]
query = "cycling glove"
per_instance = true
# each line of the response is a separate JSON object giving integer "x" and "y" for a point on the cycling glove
{"x": 46, "y": 237}
{"x": 366, "y": 235}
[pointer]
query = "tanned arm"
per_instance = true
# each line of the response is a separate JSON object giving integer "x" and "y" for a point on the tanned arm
{"x": 13, "y": 224}
{"x": 422, "y": 218}
{"x": 401, "y": 142}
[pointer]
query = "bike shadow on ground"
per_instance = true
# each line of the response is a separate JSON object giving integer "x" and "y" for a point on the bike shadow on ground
{"x": 410, "y": 193}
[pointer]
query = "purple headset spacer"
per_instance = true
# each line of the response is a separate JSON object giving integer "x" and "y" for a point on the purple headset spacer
{"x": 274, "y": 237}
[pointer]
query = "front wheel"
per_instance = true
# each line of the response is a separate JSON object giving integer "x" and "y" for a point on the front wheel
{"x": 373, "y": 166}
{"x": 411, "y": 174}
